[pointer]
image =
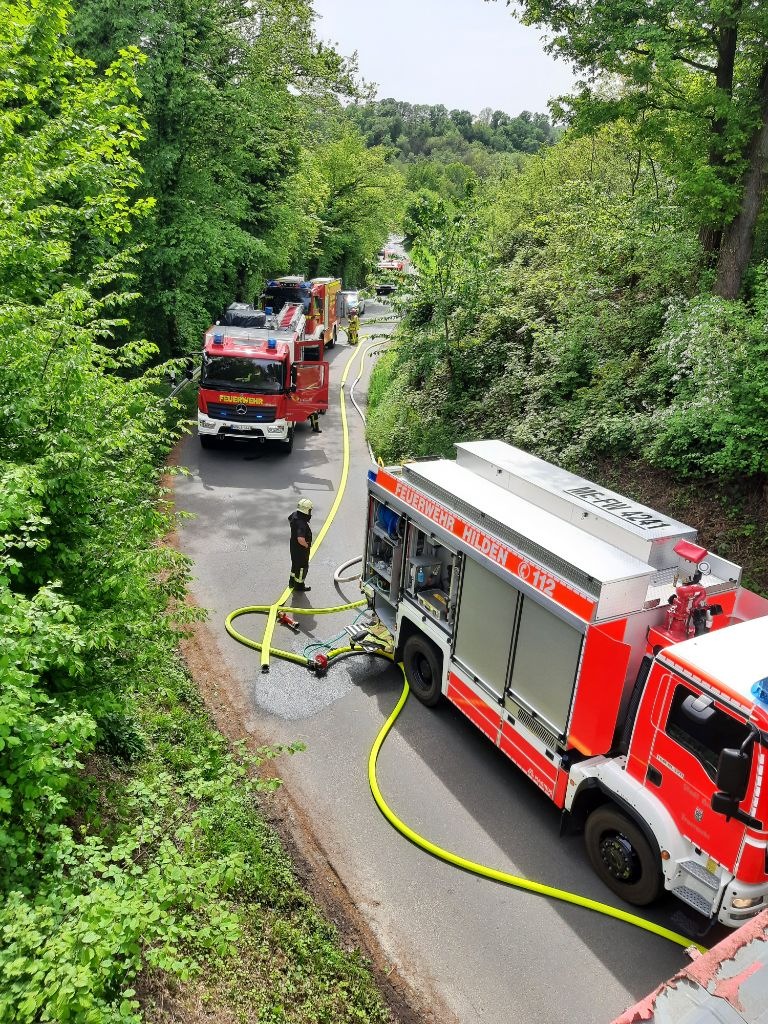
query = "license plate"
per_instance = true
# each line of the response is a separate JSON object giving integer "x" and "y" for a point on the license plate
{"x": 242, "y": 426}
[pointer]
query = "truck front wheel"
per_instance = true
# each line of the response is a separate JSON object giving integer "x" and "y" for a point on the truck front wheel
{"x": 287, "y": 444}
{"x": 622, "y": 856}
{"x": 207, "y": 441}
{"x": 423, "y": 669}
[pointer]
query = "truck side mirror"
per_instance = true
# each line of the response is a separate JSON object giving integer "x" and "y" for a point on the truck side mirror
{"x": 724, "y": 804}
{"x": 733, "y": 774}
{"x": 294, "y": 373}
{"x": 189, "y": 372}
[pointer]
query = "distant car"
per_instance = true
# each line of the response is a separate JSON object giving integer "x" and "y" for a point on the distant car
{"x": 354, "y": 301}
{"x": 386, "y": 289}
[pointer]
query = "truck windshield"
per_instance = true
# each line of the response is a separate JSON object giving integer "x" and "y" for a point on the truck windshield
{"x": 278, "y": 296}
{"x": 264, "y": 376}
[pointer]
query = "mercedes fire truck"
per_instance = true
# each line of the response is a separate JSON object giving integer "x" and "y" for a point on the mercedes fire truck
{"x": 609, "y": 655}
{"x": 260, "y": 376}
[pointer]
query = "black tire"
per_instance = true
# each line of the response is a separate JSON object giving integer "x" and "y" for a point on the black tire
{"x": 423, "y": 669}
{"x": 286, "y": 446}
{"x": 622, "y": 856}
{"x": 330, "y": 343}
{"x": 206, "y": 441}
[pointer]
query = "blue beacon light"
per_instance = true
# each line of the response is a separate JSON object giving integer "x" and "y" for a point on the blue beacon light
{"x": 272, "y": 343}
{"x": 218, "y": 338}
{"x": 760, "y": 691}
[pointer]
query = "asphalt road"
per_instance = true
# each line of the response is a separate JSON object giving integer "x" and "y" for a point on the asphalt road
{"x": 491, "y": 953}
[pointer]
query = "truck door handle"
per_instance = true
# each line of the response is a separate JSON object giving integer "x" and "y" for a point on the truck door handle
{"x": 653, "y": 775}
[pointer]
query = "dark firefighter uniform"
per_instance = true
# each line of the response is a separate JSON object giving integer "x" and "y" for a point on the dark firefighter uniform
{"x": 301, "y": 541}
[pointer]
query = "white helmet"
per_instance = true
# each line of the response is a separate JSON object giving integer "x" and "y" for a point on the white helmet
{"x": 305, "y": 506}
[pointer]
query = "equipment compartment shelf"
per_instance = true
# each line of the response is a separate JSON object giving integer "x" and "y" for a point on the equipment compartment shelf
{"x": 379, "y": 531}
{"x": 386, "y": 574}
{"x": 382, "y": 593}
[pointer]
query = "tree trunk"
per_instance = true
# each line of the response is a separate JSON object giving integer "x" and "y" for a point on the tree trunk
{"x": 739, "y": 235}
{"x": 711, "y": 236}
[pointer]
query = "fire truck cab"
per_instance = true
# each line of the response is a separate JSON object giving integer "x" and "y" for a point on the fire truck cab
{"x": 260, "y": 376}
{"x": 618, "y": 663}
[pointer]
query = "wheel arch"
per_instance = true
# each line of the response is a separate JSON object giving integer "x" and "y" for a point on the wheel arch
{"x": 407, "y": 628}
{"x": 592, "y": 794}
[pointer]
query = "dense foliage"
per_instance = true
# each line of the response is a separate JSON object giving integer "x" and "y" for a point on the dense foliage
{"x": 566, "y": 309}
{"x": 691, "y": 77}
{"x": 129, "y": 842}
{"x": 606, "y": 300}
{"x": 418, "y": 130}
{"x": 245, "y": 155}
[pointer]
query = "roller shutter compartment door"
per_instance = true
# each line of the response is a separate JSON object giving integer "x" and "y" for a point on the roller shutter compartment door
{"x": 485, "y": 625}
{"x": 545, "y": 662}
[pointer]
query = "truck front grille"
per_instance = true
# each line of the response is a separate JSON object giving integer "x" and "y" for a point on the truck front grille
{"x": 242, "y": 413}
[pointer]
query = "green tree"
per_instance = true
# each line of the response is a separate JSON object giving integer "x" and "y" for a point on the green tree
{"x": 80, "y": 428}
{"x": 693, "y": 78}
{"x": 227, "y": 90}
{"x": 361, "y": 202}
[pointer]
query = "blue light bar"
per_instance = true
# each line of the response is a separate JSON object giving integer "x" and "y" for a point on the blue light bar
{"x": 272, "y": 343}
{"x": 760, "y": 691}
{"x": 218, "y": 338}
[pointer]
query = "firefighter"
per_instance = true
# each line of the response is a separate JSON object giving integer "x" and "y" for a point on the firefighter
{"x": 353, "y": 327}
{"x": 301, "y": 542}
{"x": 314, "y": 422}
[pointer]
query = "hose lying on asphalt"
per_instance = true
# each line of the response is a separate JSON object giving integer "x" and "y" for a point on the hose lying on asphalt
{"x": 338, "y": 578}
{"x": 264, "y": 646}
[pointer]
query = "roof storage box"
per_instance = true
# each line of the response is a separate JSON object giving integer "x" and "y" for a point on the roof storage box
{"x": 628, "y": 525}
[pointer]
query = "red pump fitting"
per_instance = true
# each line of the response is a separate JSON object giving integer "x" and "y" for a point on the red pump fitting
{"x": 285, "y": 620}
{"x": 319, "y": 664}
{"x": 689, "y": 598}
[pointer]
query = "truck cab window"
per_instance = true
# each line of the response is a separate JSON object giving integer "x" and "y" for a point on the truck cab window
{"x": 702, "y": 731}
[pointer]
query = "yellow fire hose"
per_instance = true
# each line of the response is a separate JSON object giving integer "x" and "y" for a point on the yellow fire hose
{"x": 266, "y": 649}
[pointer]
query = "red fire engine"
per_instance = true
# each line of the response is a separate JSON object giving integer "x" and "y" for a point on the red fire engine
{"x": 260, "y": 376}
{"x": 618, "y": 663}
{"x": 320, "y": 298}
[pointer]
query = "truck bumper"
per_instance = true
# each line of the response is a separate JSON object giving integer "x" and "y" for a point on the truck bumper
{"x": 733, "y": 912}
{"x": 277, "y": 431}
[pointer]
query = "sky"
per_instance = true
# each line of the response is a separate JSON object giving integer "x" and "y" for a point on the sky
{"x": 465, "y": 54}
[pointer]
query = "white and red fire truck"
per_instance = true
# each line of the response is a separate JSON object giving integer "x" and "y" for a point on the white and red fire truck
{"x": 321, "y": 298}
{"x": 260, "y": 376}
{"x": 617, "y": 662}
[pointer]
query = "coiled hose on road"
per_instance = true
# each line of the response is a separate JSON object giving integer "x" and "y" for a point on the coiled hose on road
{"x": 265, "y": 647}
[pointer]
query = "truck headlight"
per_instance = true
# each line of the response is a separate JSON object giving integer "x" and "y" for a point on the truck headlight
{"x": 274, "y": 430}
{"x": 744, "y": 902}
{"x": 209, "y": 424}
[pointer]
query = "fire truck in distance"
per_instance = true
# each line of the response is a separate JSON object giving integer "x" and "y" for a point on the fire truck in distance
{"x": 321, "y": 300}
{"x": 613, "y": 659}
{"x": 260, "y": 376}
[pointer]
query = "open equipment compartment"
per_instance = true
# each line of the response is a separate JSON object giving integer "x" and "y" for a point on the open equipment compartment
{"x": 431, "y": 576}
{"x": 383, "y": 559}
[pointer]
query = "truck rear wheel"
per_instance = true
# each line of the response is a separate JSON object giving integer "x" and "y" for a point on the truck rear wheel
{"x": 423, "y": 669}
{"x": 622, "y": 856}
